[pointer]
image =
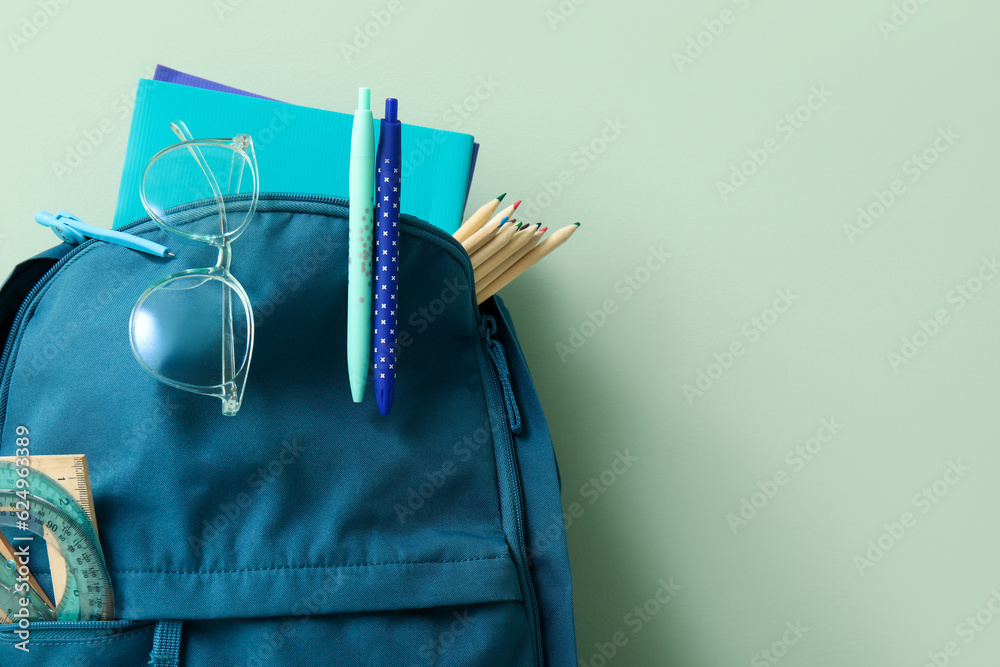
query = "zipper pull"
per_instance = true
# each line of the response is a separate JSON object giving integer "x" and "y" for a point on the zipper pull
{"x": 70, "y": 229}
{"x": 496, "y": 351}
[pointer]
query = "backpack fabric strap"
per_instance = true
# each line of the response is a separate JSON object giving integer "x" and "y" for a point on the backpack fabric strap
{"x": 166, "y": 644}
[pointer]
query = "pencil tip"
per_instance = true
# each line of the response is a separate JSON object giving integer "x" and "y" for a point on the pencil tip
{"x": 504, "y": 219}
{"x": 577, "y": 224}
{"x": 500, "y": 198}
{"x": 516, "y": 204}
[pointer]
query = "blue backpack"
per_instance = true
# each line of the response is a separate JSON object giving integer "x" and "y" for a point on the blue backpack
{"x": 307, "y": 529}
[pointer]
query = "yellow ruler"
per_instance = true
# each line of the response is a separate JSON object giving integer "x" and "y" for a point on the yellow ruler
{"x": 71, "y": 472}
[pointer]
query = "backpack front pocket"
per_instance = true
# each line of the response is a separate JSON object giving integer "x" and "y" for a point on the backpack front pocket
{"x": 77, "y": 644}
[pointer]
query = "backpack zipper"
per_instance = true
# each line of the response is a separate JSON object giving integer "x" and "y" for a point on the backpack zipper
{"x": 500, "y": 386}
{"x": 499, "y": 357}
{"x": 14, "y": 335}
{"x": 72, "y": 631}
{"x": 423, "y": 229}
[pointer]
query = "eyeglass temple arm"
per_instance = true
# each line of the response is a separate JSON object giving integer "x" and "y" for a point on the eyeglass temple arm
{"x": 228, "y": 343}
{"x": 184, "y": 134}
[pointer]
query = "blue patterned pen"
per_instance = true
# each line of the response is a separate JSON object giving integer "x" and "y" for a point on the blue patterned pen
{"x": 387, "y": 179}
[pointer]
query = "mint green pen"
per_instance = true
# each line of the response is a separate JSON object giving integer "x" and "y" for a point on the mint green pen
{"x": 359, "y": 277}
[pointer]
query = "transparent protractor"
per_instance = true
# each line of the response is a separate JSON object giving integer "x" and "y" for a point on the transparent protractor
{"x": 45, "y": 487}
{"x": 88, "y": 595}
{"x": 12, "y": 591}
{"x": 36, "y": 525}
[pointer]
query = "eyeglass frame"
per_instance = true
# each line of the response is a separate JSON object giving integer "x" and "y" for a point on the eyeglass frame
{"x": 230, "y": 391}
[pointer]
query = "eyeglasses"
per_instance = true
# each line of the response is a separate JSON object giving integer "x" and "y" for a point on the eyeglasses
{"x": 201, "y": 192}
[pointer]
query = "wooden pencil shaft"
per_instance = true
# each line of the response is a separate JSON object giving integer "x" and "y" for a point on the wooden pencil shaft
{"x": 526, "y": 262}
{"x": 476, "y": 220}
{"x": 481, "y": 238}
{"x": 476, "y": 241}
{"x": 516, "y": 242}
{"x": 492, "y": 246}
{"x": 487, "y": 278}
{"x": 506, "y": 213}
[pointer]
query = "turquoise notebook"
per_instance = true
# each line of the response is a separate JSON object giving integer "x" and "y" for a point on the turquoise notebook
{"x": 299, "y": 149}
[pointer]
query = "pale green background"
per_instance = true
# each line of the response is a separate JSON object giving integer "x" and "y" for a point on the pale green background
{"x": 656, "y": 185}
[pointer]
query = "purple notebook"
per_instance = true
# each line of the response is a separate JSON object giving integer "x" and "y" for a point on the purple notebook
{"x": 169, "y": 75}
{"x": 173, "y": 76}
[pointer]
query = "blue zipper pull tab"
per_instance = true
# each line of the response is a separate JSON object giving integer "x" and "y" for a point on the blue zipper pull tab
{"x": 73, "y": 231}
{"x": 496, "y": 351}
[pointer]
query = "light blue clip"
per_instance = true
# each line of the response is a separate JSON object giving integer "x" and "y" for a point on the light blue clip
{"x": 71, "y": 230}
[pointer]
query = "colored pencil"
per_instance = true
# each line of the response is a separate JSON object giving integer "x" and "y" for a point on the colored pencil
{"x": 507, "y": 212}
{"x": 495, "y": 244}
{"x": 554, "y": 240}
{"x": 484, "y": 278}
{"x": 517, "y": 241}
{"x": 476, "y": 220}
{"x": 476, "y": 241}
